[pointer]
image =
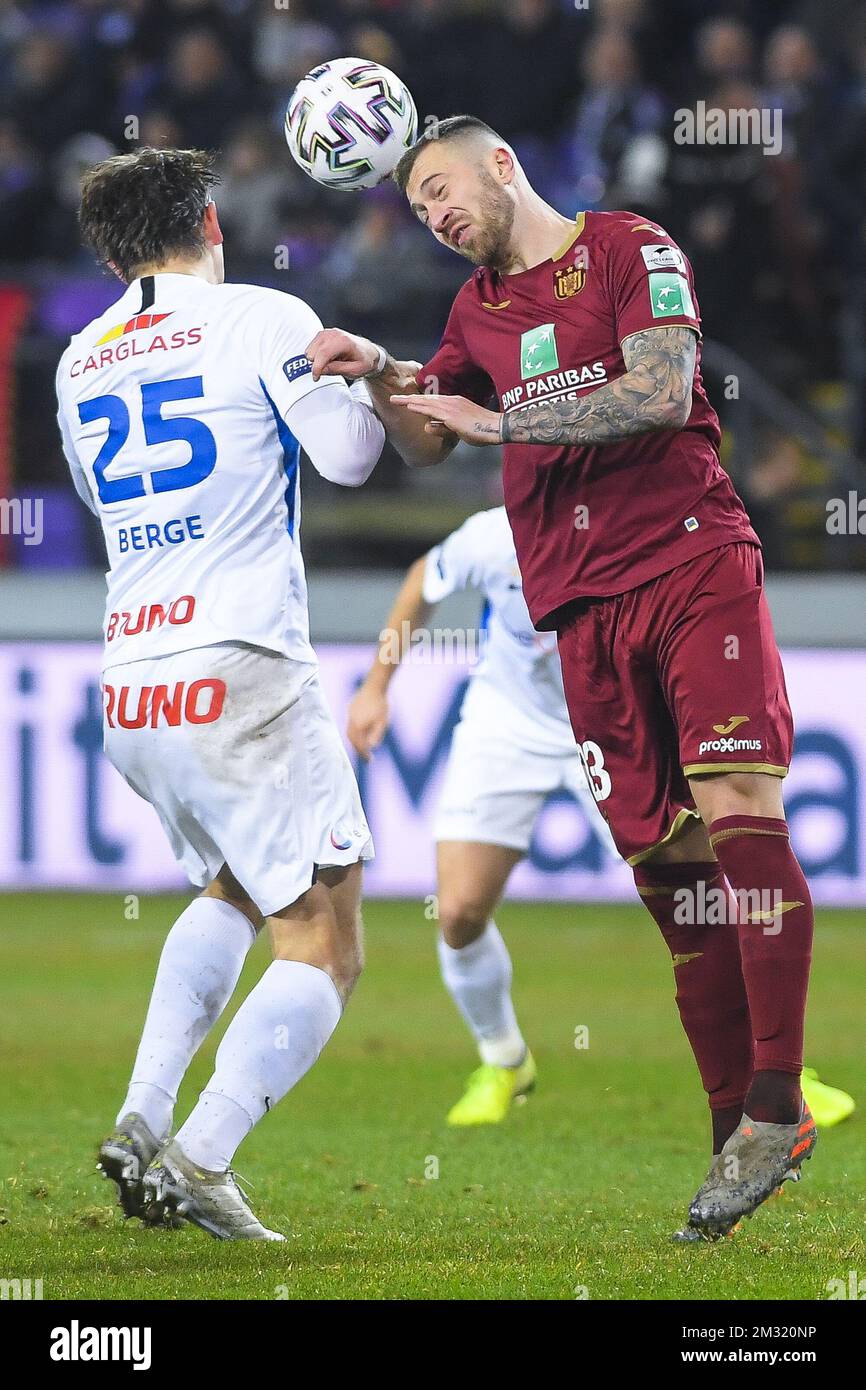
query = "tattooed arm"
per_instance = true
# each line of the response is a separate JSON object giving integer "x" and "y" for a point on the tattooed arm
{"x": 655, "y": 393}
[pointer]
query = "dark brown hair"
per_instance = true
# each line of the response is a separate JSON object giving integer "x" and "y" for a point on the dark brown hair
{"x": 449, "y": 129}
{"x": 144, "y": 208}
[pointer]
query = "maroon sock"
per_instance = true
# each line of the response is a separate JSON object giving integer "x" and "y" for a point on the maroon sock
{"x": 689, "y": 902}
{"x": 724, "y": 1123}
{"x": 776, "y": 922}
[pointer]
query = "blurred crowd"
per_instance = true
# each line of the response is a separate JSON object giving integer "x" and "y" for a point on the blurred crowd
{"x": 586, "y": 90}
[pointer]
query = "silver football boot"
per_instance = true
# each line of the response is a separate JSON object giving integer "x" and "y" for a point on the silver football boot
{"x": 174, "y": 1186}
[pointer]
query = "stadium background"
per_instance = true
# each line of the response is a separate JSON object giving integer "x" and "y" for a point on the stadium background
{"x": 587, "y": 96}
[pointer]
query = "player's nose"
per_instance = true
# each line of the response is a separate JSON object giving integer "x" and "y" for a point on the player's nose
{"x": 441, "y": 221}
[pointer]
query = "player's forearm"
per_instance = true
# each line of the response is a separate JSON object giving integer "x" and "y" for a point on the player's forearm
{"x": 416, "y": 447}
{"x": 655, "y": 393}
{"x": 341, "y": 435}
{"x": 409, "y": 612}
{"x": 610, "y": 413}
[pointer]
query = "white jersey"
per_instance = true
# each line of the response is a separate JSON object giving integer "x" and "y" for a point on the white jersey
{"x": 183, "y": 409}
{"x": 519, "y": 672}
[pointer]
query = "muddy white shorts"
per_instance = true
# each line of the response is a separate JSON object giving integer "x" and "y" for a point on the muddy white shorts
{"x": 499, "y": 775}
{"x": 238, "y": 753}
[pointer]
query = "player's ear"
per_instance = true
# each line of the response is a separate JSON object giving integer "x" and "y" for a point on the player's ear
{"x": 504, "y": 164}
{"x": 212, "y": 229}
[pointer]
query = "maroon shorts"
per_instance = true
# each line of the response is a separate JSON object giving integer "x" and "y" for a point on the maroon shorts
{"x": 678, "y": 677}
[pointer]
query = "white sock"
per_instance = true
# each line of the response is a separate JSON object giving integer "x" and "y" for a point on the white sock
{"x": 478, "y": 978}
{"x": 273, "y": 1039}
{"x": 199, "y": 967}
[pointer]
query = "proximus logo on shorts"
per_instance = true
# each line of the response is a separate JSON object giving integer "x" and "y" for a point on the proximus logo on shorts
{"x": 729, "y": 745}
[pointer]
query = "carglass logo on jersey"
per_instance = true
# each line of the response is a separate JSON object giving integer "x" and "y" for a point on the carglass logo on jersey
{"x": 130, "y": 347}
{"x": 563, "y": 385}
{"x": 132, "y": 325}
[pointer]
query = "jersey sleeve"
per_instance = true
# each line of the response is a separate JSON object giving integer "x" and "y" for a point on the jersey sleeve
{"x": 451, "y": 371}
{"x": 340, "y": 433}
{"x": 279, "y": 329}
{"x": 458, "y": 562}
{"x": 649, "y": 281}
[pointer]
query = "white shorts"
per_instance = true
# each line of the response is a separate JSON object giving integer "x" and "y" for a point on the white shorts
{"x": 236, "y": 750}
{"x": 496, "y": 783}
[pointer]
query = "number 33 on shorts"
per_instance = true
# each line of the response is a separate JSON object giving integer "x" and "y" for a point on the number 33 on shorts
{"x": 596, "y": 772}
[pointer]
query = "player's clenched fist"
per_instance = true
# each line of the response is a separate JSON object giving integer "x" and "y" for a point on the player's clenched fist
{"x": 367, "y": 720}
{"x": 335, "y": 353}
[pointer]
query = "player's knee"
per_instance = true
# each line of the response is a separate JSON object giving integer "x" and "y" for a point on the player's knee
{"x": 341, "y": 960}
{"x": 462, "y": 918}
{"x": 738, "y": 794}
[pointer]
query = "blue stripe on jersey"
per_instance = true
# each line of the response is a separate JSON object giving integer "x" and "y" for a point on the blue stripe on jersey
{"x": 484, "y": 620}
{"x": 291, "y": 457}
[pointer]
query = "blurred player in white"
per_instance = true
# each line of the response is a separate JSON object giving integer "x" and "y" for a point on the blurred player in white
{"x": 512, "y": 747}
{"x": 183, "y": 410}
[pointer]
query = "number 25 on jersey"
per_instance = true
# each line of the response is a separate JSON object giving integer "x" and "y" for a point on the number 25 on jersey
{"x": 157, "y": 430}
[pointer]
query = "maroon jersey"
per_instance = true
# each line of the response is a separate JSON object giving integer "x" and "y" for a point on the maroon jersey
{"x": 593, "y": 520}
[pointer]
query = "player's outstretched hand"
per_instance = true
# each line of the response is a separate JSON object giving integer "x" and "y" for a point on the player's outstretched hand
{"x": 454, "y": 415}
{"x": 335, "y": 353}
{"x": 367, "y": 720}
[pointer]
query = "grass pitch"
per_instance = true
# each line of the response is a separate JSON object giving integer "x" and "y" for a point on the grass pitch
{"x": 575, "y": 1196}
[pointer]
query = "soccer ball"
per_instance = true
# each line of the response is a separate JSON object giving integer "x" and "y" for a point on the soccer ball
{"x": 349, "y": 121}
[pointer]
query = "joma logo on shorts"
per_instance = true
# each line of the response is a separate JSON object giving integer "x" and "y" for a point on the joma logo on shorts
{"x": 149, "y": 616}
{"x": 200, "y": 702}
{"x": 730, "y": 745}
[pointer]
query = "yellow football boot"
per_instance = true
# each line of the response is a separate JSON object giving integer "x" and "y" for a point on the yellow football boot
{"x": 490, "y": 1092}
{"x": 828, "y": 1105}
